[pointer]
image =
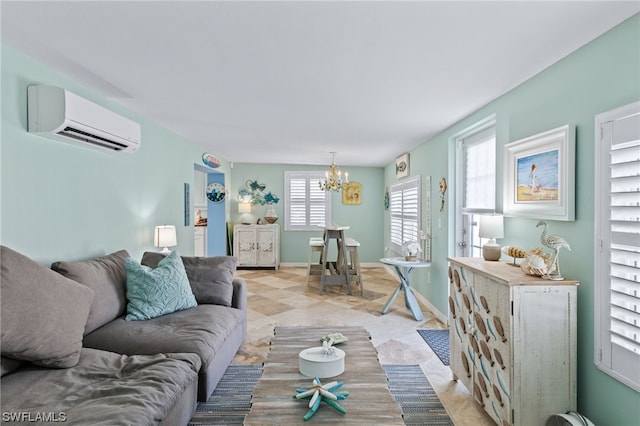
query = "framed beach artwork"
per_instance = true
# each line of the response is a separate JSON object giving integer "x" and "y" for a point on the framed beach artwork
{"x": 539, "y": 175}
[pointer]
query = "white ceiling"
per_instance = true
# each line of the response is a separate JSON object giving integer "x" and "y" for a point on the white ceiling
{"x": 290, "y": 81}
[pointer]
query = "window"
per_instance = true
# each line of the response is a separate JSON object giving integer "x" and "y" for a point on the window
{"x": 404, "y": 205}
{"x": 476, "y": 180}
{"x": 617, "y": 253}
{"x": 306, "y": 206}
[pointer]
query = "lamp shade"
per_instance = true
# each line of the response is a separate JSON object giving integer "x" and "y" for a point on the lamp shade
{"x": 244, "y": 207}
{"x": 491, "y": 226}
{"x": 165, "y": 236}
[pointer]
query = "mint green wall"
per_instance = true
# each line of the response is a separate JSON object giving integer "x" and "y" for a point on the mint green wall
{"x": 61, "y": 201}
{"x": 364, "y": 220}
{"x": 601, "y": 76}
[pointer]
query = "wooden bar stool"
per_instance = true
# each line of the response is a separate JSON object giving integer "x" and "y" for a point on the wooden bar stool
{"x": 316, "y": 245}
{"x": 338, "y": 270}
{"x": 354, "y": 262}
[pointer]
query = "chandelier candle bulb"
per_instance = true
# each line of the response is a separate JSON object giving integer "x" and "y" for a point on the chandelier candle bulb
{"x": 333, "y": 177}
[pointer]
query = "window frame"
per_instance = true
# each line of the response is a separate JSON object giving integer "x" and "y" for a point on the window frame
{"x": 401, "y": 186}
{"x": 468, "y": 241}
{"x": 311, "y": 180}
{"x": 610, "y": 357}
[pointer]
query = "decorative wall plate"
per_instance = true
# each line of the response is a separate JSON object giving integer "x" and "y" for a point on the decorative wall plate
{"x": 216, "y": 192}
{"x": 402, "y": 166}
{"x": 210, "y": 160}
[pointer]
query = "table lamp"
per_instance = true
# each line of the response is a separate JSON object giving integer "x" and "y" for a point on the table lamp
{"x": 165, "y": 236}
{"x": 244, "y": 209}
{"x": 492, "y": 227}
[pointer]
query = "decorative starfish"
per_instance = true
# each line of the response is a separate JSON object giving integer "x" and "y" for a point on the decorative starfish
{"x": 322, "y": 393}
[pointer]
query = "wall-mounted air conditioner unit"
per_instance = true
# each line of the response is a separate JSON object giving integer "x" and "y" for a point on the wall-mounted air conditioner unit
{"x": 56, "y": 113}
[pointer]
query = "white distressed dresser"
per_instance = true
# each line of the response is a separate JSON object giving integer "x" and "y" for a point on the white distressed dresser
{"x": 512, "y": 340}
{"x": 257, "y": 245}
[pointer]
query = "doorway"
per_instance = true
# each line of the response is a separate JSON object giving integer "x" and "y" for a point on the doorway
{"x": 210, "y": 229}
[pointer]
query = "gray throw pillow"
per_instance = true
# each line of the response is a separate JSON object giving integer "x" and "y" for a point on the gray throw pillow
{"x": 211, "y": 278}
{"x": 107, "y": 278}
{"x": 43, "y": 313}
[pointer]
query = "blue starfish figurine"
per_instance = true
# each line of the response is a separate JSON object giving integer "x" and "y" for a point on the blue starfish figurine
{"x": 322, "y": 393}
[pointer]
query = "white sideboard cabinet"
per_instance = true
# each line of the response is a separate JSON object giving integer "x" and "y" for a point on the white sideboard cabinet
{"x": 512, "y": 340}
{"x": 257, "y": 245}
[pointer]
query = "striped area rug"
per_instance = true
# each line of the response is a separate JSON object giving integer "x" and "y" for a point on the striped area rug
{"x": 231, "y": 400}
{"x": 412, "y": 390}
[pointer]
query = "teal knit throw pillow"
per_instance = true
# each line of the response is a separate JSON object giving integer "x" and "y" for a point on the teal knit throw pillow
{"x": 155, "y": 292}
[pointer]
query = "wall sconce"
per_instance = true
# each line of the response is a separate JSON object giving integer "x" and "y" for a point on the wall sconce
{"x": 491, "y": 227}
{"x": 245, "y": 209}
{"x": 165, "y": 236}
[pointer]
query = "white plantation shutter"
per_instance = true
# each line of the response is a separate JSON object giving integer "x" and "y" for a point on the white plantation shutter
{"x": 307, "y": 206}
{"x": 618, "y": 244}
{"x": 480, "y": 172}
{"x": 404, "y": 207}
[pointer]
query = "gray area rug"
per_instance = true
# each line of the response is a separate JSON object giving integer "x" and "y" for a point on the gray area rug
{"x": 412, "y": 390}
{"x": 438, "y": 340}
{"x": 231, "y": 400}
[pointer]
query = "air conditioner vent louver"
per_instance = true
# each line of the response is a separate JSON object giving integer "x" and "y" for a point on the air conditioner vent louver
{"x": 92, "y": 139}
{"x": 58, "y": 114}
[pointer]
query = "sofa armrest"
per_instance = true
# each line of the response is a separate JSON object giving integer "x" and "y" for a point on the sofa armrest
{"x": 239, "y": 298}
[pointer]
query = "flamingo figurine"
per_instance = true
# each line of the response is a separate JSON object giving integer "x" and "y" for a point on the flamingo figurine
{"x": 555, "y": 243}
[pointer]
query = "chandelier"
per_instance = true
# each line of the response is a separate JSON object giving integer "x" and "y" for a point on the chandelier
{"x": 333, "y": 177}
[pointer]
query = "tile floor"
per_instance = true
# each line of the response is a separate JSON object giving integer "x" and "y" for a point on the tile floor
{"x": 283, "y": 298}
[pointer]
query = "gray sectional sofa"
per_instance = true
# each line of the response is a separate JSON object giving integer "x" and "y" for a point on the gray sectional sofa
{"x": 69, "y": 354}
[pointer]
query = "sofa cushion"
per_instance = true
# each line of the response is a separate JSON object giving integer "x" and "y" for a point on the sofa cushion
{"x": 211, "y": 278}
{"x": 7, "y": 365}
{"x": 155, "y": 292}
{"x": 202, "y": 330}
{"x": 43, "y": 313}
{"x": 103, "y": 389}
{"x": 107, "y": 278}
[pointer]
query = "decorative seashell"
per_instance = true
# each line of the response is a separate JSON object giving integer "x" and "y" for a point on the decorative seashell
{"x": 537, "y": 261}
{"x": 515, "y": 252}
{"x": 534, "y": 264}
